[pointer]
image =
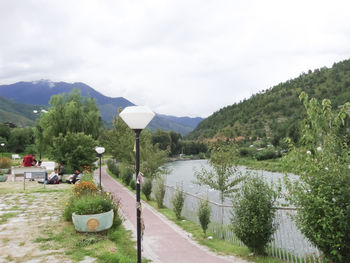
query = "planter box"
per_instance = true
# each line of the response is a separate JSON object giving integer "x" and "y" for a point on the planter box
{"x": 93, "y": 223}
{"x": 3, "y": 178}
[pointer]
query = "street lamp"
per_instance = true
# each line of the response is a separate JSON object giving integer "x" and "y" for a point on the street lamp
{"x": 100, "y": 151}
{"x": 137, "y": 118}
{"x": 2, "y": 146}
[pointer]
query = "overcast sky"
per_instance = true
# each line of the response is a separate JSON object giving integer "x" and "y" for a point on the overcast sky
{"x": 181, "y": 57}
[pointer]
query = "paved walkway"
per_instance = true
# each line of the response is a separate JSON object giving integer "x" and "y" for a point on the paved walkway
{"x": 163, "y": 240}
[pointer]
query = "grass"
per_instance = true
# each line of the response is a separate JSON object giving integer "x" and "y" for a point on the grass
{"x": 5, "y": 217}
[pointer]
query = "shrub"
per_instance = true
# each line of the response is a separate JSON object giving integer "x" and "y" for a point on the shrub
{"x": 254, "y": 212}
{"x": 146, "y": 187}
{"x": 178, "y": 202}
{"x": 267, "y": 153}
{"x": 5, "y": 163}
{"x": 159, "y": 191}
{"x": 113, "y": 168}
{"x": 203, "y": 213}
{"x": 133, "y": 184}
{"x": 126, "y": 173}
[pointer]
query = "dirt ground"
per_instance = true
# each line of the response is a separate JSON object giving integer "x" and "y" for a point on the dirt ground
{"x": 24, "y": 215}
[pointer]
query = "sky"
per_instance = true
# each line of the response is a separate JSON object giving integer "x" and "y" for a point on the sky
{"x": 181, "y": 57}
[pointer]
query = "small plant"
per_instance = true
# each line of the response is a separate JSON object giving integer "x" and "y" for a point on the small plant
{"x": 5, "y": 163}
{"x": 146, "y": 187}
{"x": 113, "y": 168}
{"x": 254, "y": 212}
{"x": 178, "y": 202}
{"x": 126, "y": 173}
{"x": 159, "y": 191}
{"x": 133, "y": 184}
{"x": 203, "y": 213}
{"x": 84, "y": 188}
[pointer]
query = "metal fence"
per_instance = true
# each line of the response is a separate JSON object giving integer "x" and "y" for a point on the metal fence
{"x": 288, "y": 244}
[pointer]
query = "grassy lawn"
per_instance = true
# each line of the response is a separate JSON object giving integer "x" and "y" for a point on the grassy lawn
{"x": 55, "y": 238}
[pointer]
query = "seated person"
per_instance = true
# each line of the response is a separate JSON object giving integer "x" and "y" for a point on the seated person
{"x": 53, "y": 177}
{"x": 74, "y": 177}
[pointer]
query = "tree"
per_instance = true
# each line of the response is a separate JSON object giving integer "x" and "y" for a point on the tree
{"x": 322, "y": 193}
{"x": 223, "y": 175}
{"x": 70, "y": 113}
{"x": 75, "y": 150}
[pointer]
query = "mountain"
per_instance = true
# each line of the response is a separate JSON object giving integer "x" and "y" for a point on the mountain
{"x": 40, "y": 92}
{"x": 276, "y": 112}
{"x": 17, "y": 113}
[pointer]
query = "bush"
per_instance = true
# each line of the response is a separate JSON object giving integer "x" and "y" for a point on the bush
{"x": 178, "y": 202}
{"x": 266, "y": 154}
{"x": 133, "y": 184}
{"x": 146, "y": 187}
{"x": 5, "y": 163}
{"x": 159, "y": 191}
{"x": 126, "y": 173}
{"x": 113, "y": 168}
{"x": 203, "y": 213}
{"x": 254, "y": 212}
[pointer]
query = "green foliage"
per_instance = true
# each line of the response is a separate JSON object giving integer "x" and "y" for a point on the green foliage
{"x": 223, "y": 176}
{"x": 19, "y": 139}
{"x": 266, "y": 154}
{"x": 276, "y": 113}
{"x": 133, "y": 184}
{"x": 178, "y": 202}
{"x": 75, "y": 150}
{"x": 126, "y": 173}
{"x": 113, "y": 168}
{"x": 322, "y": 193}
{"x": 70, "y": 113}
{"x": 146, "y": 187}
{"x": 203, "y": 213}
{"x": 252, "y": 218}
{"x": 5, "y": 163}
{"x": 159, "y": 191}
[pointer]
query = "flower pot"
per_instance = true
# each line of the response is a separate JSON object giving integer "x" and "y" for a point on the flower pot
{"x": 93, "y": 223}
{"x": 3, "y": 178}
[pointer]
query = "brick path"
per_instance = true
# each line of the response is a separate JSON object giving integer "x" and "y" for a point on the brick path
{"x": 163, "y": 240}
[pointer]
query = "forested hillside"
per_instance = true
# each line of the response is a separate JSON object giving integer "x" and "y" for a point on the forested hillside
{"x": 276, "y": 112}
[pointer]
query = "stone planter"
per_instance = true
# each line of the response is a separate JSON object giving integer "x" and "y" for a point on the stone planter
{"x": 3, "y": 178}
{"x": 93, "y": 223}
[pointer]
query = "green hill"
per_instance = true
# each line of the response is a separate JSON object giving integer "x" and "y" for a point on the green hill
{"x": 275, "y": 113}
{"x": 17, "y": 113}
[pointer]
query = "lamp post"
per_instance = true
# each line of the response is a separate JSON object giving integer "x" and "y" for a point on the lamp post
{"x": 2, "y": 149}
{"x": 100, "y": 151}
{"x": 137, "y": 118}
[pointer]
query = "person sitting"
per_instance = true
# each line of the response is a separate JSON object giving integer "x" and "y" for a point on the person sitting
{"x": 74, "y": 177}
{"x": 53, "y": 177}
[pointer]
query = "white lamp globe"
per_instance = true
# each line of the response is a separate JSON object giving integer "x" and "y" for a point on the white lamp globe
{"x": 137, "y": 117}
{"x": 100, "y": 150}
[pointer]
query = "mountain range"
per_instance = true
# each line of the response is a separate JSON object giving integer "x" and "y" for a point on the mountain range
{"x": 37, "y": 94}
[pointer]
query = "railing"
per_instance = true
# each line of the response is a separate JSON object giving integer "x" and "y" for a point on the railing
{"x": 289, "y": 244}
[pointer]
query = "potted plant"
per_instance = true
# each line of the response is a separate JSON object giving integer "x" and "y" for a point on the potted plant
{"x": 91, "y": 210}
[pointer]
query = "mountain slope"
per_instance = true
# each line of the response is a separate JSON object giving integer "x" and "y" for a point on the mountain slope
{"x": 40, "y": 92}
{"x": 276, "y": 112}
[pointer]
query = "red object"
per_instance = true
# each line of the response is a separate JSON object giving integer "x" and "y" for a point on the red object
{"x": 27, "y": 160}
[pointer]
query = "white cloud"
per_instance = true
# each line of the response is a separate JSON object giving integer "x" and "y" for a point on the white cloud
{"x": 177, "y": 57}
